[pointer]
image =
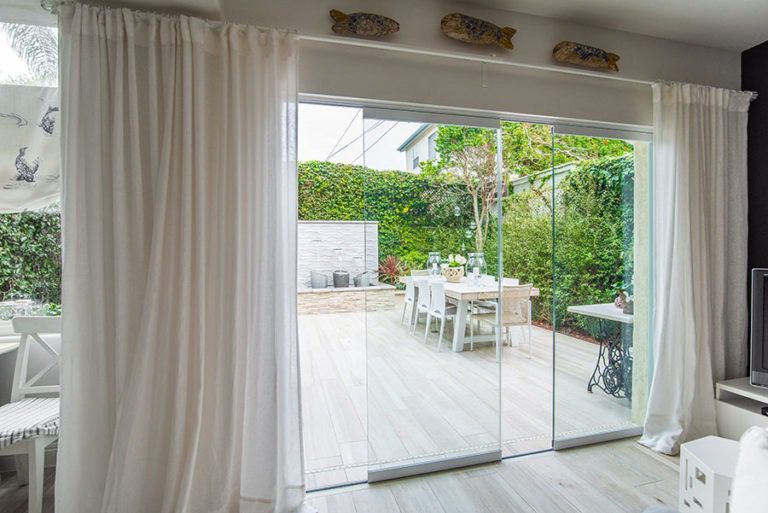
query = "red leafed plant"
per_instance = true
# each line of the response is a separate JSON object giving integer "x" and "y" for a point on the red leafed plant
{"x": 390, "y": 270}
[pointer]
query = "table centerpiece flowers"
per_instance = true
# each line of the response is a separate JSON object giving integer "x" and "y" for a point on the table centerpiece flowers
{"x": 453, "y": 271}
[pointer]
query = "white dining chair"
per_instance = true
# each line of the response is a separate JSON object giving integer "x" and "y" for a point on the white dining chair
{"x": 440, "y": 309}
{"x": 480, "y": 306}
{"x": 410, "y": 299}
{"x": 515, "y": 311}
{"x": 422, "y": 299}
{"x": 30, "y": 422}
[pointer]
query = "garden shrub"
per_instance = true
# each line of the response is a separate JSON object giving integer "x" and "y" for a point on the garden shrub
{"x": 593, "y": 235}
{"x": 30, "y": 256}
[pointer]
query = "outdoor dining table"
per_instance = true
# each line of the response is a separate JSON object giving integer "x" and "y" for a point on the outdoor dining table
{"x": 462, "y": 294}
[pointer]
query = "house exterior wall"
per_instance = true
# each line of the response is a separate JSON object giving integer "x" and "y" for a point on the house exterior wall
{"x": 420, "y": 147}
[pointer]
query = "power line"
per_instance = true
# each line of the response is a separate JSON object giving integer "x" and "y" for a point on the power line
{"x": 369, "y": 148}
{"x": 350, "y": 143}
{"x": 343, "y": 134}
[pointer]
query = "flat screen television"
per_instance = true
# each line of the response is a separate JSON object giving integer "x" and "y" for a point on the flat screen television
{"x": 758, "y": 362}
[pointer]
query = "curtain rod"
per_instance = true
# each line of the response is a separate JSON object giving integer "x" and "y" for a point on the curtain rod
{"x": 52, "y": 6}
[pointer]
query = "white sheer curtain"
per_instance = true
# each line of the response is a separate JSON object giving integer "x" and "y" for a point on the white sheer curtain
{"x": 180, "y": 385}
{"x": 700, "y": 246}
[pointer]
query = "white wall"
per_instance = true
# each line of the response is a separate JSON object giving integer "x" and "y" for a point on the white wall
{"x": 356, "y": 72}
{"x": 318, "y": 239}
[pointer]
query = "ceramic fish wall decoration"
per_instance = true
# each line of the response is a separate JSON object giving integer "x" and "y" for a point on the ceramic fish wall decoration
{"x": 585, "y": 55}
{"x": 476, "y": 31}
{"x": 363, "y": 24}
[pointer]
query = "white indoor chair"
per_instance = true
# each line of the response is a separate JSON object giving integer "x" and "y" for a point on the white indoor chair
{"x": 421, "y": 285}
{"x": 515, "y": 311}
{"x": 30, "y": 422}
{"x": 440, "y": 309}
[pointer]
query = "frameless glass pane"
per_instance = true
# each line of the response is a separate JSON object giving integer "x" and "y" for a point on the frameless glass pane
{"x": 433, "y": 391}
{"x": 331, "y": 321}
{"x": 601, "y": 273}
{"x": 527, "y": 255}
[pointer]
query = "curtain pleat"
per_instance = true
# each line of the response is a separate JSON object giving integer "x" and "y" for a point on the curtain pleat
{"x": 179, "y": 372}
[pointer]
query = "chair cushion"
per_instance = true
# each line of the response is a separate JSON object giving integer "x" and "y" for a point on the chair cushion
{"x": 27, "y": 418}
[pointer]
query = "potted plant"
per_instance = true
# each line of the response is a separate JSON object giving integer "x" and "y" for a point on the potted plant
{"x": 626, "y": 300}
{"x": 390, "y": 270}
{"x": 454, "y": 269}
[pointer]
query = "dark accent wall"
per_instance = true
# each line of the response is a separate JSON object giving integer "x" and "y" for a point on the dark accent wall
{"x": 754, "y": 77}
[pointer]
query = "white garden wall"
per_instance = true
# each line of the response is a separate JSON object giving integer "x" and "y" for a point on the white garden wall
{"x": 358, "y": 240}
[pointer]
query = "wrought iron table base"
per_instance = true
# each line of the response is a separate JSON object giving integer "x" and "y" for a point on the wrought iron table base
{"x": 613, "y": 370}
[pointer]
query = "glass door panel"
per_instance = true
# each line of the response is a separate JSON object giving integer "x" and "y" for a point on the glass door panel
{"x": 601, "y": 276}
{"x": 331, "y": 321}
{"x": 526, "y": 234}
{"x": 433, "y": 400}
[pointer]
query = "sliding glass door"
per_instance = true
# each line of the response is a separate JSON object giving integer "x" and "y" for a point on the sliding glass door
{"x": 458, "y": 284}
{"x": 601, "y": 314}
{"x": 433, "y": 375}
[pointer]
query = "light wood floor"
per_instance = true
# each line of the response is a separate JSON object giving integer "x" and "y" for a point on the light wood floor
{"x": 13, "y": 498}
{"x": 420, "y": 404}
{"x": 618, "y": 477}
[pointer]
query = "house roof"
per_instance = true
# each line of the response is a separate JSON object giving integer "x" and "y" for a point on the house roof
{"x": 415, "y": 135}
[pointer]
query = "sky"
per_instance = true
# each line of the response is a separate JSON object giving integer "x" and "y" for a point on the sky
{"x": 325, "y": 130}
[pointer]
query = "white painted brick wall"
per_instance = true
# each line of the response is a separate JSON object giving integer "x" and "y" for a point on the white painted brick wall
{"x": 318, "y": 239}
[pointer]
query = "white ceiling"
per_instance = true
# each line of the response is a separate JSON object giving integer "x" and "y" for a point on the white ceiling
{"x": 728, "y": 24}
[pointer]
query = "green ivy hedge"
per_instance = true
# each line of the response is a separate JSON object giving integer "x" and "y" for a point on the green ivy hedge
{"x": 416, "y": 214}
{"x": 593, "y": 210}
{"x": 593, "y": 230}
{"x": 593, "y": 234}
{"x": 30, "y": 256}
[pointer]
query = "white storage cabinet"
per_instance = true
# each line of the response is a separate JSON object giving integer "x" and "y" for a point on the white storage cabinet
{"x": 706, "y": 471}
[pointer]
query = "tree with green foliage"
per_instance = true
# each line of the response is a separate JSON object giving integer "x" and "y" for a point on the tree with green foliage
{"x": 527, "y": 148}
{"x": 469, "y": 155}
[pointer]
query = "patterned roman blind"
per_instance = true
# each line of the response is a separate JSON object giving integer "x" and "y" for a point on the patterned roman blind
{"x": 29, "y": 147}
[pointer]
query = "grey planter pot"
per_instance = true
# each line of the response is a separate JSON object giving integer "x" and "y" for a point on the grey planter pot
{"x": 318, "y": 280}
{"x": 340, "y": 279}
{"x": 361, "y": 280}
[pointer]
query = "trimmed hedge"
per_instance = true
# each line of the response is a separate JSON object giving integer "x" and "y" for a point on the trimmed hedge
{"x": 416, "y": 214}
{"x": 30, "y": 256}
